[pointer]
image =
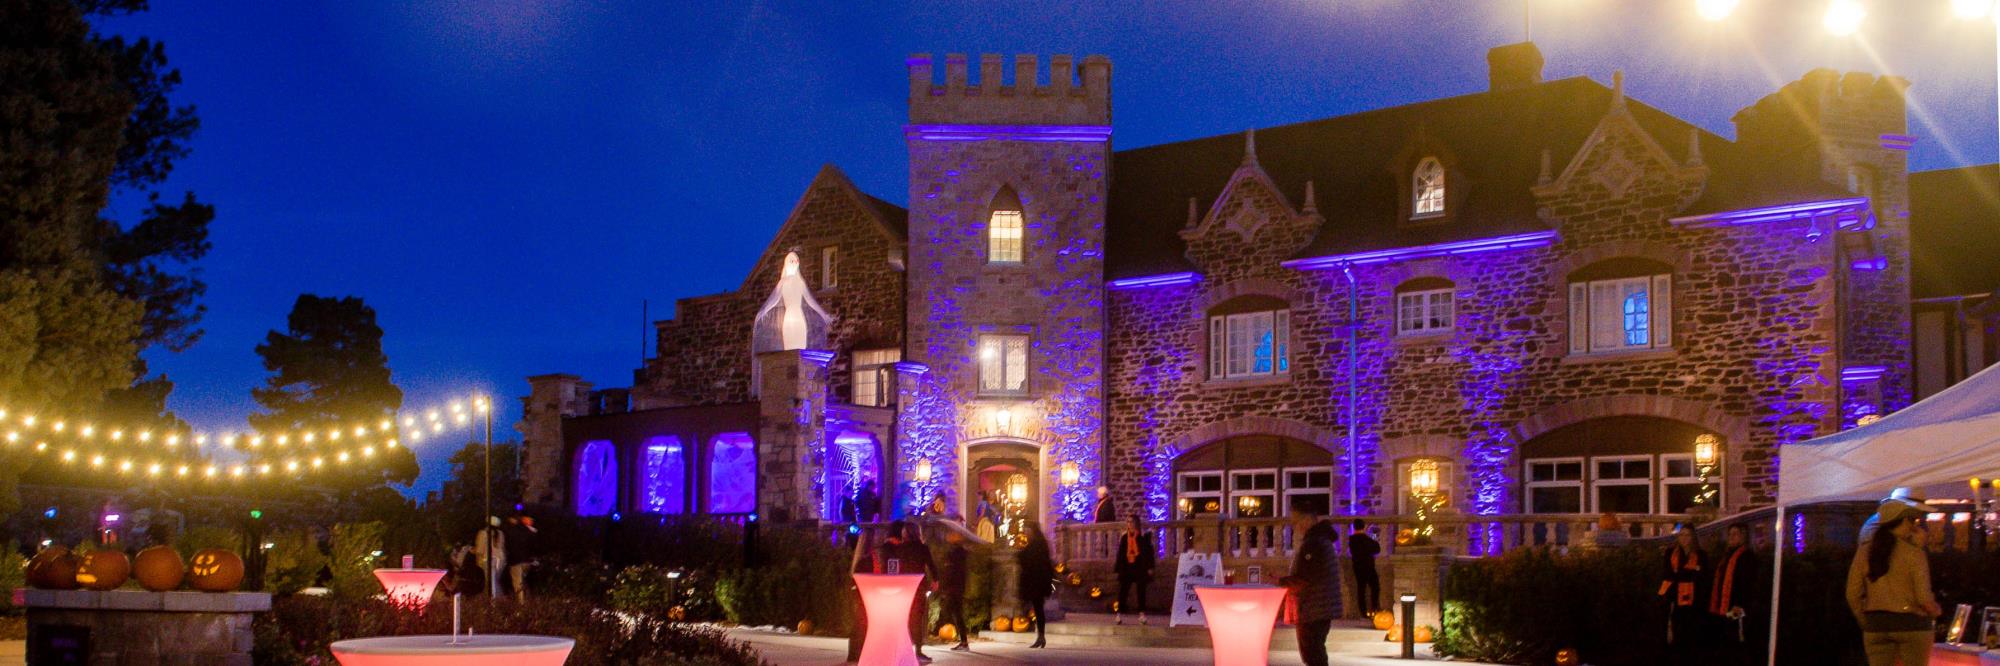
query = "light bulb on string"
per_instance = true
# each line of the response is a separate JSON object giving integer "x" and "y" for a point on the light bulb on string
{"x": 87, "y": 430}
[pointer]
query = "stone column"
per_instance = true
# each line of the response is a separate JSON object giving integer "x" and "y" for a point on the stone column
{"x": 1418, "y": 570}
{"x": 543, "y": 466}
{"x": 925, "y": 430}
{"x": 791, "y": 441}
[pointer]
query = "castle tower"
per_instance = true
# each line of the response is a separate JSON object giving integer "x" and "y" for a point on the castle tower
{"x": 1008, "y": 181}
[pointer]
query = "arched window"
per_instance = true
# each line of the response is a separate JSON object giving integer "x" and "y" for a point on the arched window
{"x": 1004, "y": 228}
{"x": 1250, "y": 336}
{"x": 1623, "y": 304}
{"x": 596, "y": 478}
{"x": 732, "y": 474}
{"x": 1427, "y": 189}
{"x": 1424, "y": 306}
{"x": 663, "y": 476}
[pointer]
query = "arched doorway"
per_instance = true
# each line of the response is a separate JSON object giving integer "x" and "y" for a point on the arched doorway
{"x": 1254, "y": 476}
{"x": 1617, "y": 464}
{"x": 1008, "y": 473}
{"x": 853, "y": 477}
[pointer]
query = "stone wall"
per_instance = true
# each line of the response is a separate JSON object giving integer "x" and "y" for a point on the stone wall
{"x": 551, "y": 398}
{"x": 136, "y": 627}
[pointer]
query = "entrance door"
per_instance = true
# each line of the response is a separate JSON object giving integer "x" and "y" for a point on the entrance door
{"x": 1006, "y": 476}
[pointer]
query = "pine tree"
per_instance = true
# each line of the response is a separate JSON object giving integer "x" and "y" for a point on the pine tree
{"x": 328, "y": 370}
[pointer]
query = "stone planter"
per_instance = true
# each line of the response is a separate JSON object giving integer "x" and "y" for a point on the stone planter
{"x": 138, "y": 627}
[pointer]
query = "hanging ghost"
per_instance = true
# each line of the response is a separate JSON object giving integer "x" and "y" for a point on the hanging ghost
{"x": 789, "y": 319}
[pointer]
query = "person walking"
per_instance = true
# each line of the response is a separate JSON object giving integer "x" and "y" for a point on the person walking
{"x": 1106, "y": 511}
{"x": 904, "y": 552}
{"x": 1362, "y": 549}
{"x": 1134, "y": 566}
{"x": 1037, "y": 582}
{"x": 1730, "y": 596}
{"x": 1315, "y": 581}
{"x": 1889, "y": 588}
{"x": 1686, "y": 597}
{"x": 951, "y": 586}
{"x": 520, "y": 539}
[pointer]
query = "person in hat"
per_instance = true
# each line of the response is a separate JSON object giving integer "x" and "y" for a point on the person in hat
{"x": 1889, "y": 587}
{"x": 1900, "y": 494}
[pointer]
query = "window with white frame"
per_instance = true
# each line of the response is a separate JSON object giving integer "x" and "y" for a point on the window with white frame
{"x": 1003, "y": 237}
{"x": 1003, "y": 364}
{"x": 874, "y": 376}
{"x": 1249, "y": 344}
{"x": 1623, "y": 314}
{"x": 1680, "y": 482}
{"x": 829, "y": 260}
{"x": 1427, "y": 189}
{"x": 1447, "y": 474}
{"x": 1309, "y": 491}
{"x": 1200, "y": 494}
{"x": 1422, "y": 312}
{"x": 1253, "y": 493}
{"x": 1555, "y": 485}
{"x": 1621, "y": 484}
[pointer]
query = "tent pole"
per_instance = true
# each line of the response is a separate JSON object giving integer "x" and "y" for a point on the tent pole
{"x": 1777, "y": 577}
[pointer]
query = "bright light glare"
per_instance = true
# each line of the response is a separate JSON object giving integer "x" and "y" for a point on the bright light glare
{"x": 1843, "y": 17}
{"x": 1714, "y": 10}
{"x": 1971, "y": 9}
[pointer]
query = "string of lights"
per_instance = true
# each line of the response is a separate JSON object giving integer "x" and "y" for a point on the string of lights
{"x": 433, "y": 421}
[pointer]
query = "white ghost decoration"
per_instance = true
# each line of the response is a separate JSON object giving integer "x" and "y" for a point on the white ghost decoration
{"x": 797, "y": 311}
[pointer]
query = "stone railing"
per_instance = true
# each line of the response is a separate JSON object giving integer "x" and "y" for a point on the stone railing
{"x": 1251, "y": 539}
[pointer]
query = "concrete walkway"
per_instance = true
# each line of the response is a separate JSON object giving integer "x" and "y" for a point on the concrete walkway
{"x": 788, "y": 649}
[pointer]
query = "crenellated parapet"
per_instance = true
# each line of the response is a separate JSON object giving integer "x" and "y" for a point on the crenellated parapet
{"x": 1074, "y": 94}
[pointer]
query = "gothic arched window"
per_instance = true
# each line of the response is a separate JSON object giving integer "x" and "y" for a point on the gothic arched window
{"x": 1427, "y": 189}
{"x": 1005, "y": 228}
{"x": 596, "y": 479}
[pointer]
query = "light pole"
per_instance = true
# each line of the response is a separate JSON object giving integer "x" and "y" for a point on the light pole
{"x": 493, "y": 531}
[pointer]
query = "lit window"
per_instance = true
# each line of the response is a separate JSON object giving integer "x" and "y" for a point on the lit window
{"x": 1003, "y": 364}
{"x": 1003, "y": 237}
{"x": 874, "y": 383}
{"x": 829, "y": 259}
{"x": 1253, "y": 493}
{"x": 732, "y": 474}
{"x": 663, "y": 477}
{"x": 1680, "y": 485}
{"x": 1200, "y": 494}
{"x": 1427, "y": 189}
{"x": 1423, "y": 312}
{"x": 1249, "y": 344}
{"x": 1620, "y": 315}
{"x": 596, "y": 479}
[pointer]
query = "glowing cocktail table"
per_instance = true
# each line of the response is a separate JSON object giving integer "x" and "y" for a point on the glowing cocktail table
{"x": 409, "y": 587}
{"x": 887, "y": 599}
{"x": 437, "y": 650}
{"x": 1240, "y": 618}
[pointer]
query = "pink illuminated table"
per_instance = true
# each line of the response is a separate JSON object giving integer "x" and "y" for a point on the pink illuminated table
{"x": 1240, "y": 618}
{"x": 887, "y": 599}
{"x": 409, "y": 587}
{"x": 435, "y": 650}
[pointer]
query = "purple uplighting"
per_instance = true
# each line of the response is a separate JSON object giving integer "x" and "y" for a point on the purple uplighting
{"x": 1514, "y": 242}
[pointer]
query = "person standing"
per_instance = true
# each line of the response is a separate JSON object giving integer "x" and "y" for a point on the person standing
{"x": 1037, "y": 582}
{"x": 1362, "y": 549}
{"x": 491, "y": 547}
{"x": 1889, "y": 588}
{"x": 1731, "y": 594}
{"x": 904, "y": 552}
{"x": 1134, "y": 566}
{"x": 1315, "y": 580}
{"x": 520, "y": 536}
{"x": 985, "y": 519}
{"x": 868, "y": 503}
{"x": 1682, "y": 586}
{"x": 1105, "y": 511}
{"x": 951, "y": 587}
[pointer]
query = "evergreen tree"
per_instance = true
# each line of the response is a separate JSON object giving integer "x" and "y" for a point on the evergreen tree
{"x": 328, "y": 370}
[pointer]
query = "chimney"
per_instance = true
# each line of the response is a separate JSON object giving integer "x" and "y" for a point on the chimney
{"x": 1514, "y": 66}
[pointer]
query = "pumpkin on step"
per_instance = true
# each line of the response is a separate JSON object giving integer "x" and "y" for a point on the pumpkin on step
{"x": 1002, "y": 623}
{"x": 1022, "y": 625}
{"x": 948, "y": 632}
{"x": 103, "y": 570}
{"x": 215, "y": 570}
{"x": 159, "y": 568}
{"x": 805, "y": 627}
{"x": 1383, "y": 619}
{"x": 1424, "y": 633}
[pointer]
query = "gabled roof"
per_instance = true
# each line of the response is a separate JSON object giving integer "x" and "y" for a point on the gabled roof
{"x": 1955, "y": 231}
{"x": 1495, "y": 138}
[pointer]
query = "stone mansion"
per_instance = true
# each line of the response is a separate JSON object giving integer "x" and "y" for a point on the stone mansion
{"x": 1545, "y": 289}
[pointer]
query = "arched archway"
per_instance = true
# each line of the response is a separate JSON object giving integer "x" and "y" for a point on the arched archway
{"x": 853, "y": 476}
{"x": 1004, "y": 475}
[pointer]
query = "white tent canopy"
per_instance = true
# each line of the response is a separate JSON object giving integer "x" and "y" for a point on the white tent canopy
{"x": 1937, "y": 444}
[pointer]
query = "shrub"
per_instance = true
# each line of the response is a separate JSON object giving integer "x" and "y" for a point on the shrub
{"x": 1524, "y": 606}
{"x": 299, "y": 629}
{"x": 207, "y": 536}
{"x": 292, "y": 563}
{"x": 804, "y": 578}
{"x": 353, "y": 560}
{"x": 13, "y": 575}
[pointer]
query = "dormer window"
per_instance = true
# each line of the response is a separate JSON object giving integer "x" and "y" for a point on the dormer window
{"x": 1004, "y": 228}
{"x": 1427, "y": 189}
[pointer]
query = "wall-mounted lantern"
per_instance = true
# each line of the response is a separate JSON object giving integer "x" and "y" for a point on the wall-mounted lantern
{"x": 1071, "y": 473}
{"x": 923, "y": 471}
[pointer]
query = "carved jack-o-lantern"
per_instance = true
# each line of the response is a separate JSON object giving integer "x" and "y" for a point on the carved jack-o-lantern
{"x": 1566, "y": 657}
{"x": 1075, "y": 579}
{"x": 1002, "y": 622}
{"x": 103, "y": 570}
{"x": 159, "y": 568}
{"x": 1022, "y": 624}
{"x": 215, "y": 570}
{"x": 54, "y": 569}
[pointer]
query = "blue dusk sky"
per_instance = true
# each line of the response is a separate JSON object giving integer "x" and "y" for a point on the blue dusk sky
{"x": 506, "y": 182}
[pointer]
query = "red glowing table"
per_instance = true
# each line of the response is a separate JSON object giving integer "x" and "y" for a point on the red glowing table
{"x": 887, "y": 598}
{"x": 1240, "y": 618}
{"x": 435, "y": 650}
{"x": 409, "y": 587}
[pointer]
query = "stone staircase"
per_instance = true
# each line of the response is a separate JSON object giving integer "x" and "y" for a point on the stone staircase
{"x": 1086, "y": 630}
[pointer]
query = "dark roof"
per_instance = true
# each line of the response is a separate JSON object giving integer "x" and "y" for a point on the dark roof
{"x": 1955, "y": 231}
{"x": 896, "y": 216}
{"x": 1496, "y": 139}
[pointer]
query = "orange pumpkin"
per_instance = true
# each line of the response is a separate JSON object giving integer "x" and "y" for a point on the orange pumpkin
{"x": 948, "y": 633}
{"x": 1096, "y": 591}
{"x": 1567, "y": 657}
{"x": 1022, "y": 625}
{"x": 805, "y": 627}
{"x": 1075, "y": 578}
{"x": 1395, "y": 633}
{"x": 57, "y": 570}
{"x": 1405, "y": 536}
{"x": 104, "y": 570}
{"x": 1001, "y": 623}
{"x": 38, "y": 566}
{"x": 1424, "y": 634}
{"x": 159, "y": 568}
{"x": 1384, "y": 619}
{"x": 215, "y": 570}
{"x": 677, "y": 614}
{"x": 1608, "y": 521}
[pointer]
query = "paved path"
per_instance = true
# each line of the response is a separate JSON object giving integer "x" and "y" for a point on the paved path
{"x": 789, "y": 649}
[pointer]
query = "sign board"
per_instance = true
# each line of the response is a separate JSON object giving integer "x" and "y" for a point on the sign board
{"x": 1195, "y": 569}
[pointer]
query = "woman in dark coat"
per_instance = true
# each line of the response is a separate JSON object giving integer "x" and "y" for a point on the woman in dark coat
{"x": 1682, "y": 585}
{"x": 1315, "y": 580}
{"x": 1133, "y": 562}
{"x": 1038, "y": 573}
